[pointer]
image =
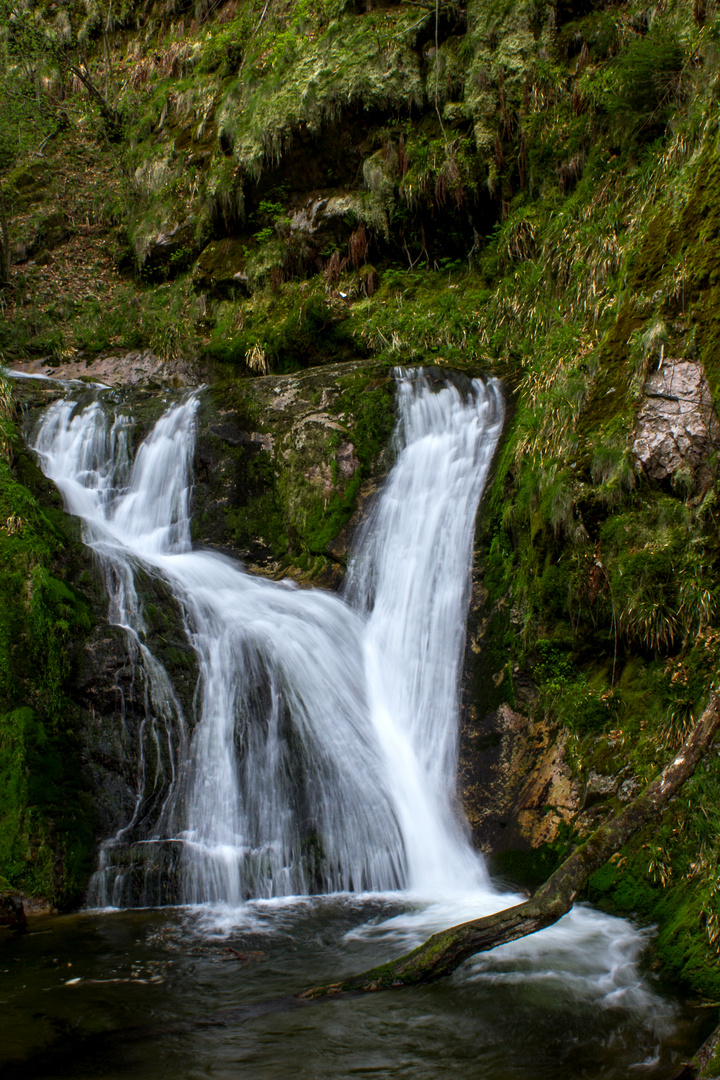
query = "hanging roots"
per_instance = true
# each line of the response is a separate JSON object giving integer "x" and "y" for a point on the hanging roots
{"x": 334, "y": 269}
{"x": 357, "y": 246}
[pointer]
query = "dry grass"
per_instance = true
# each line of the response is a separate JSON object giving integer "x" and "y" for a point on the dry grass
{"x": 256, "y": 360}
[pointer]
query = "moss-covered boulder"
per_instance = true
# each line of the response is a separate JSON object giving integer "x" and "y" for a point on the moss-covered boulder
{"x": 163, "y": 254}
{"x": 221, "y": 269}
{"x": 282, "y": 464}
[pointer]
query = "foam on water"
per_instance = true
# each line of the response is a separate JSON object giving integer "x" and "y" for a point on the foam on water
{"x": 323, "y": 754}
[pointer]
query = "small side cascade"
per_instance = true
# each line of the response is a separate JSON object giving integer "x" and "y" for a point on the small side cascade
{"x": 322, "y": 757}
{"x": 89, "y": 458}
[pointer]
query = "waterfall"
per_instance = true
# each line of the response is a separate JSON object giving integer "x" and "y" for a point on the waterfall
{"x": 323, "y": 750}
{"x": 410, "y": 577}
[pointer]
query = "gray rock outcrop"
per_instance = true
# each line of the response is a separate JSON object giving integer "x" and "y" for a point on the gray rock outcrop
{"x": 677, "y": 423}
{"x": 598, "y": 788}
{"x": 126, "y": 369}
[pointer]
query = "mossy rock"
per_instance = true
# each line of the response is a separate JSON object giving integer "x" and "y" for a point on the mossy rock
{"x": 163, "y": 255}
{"x": 28, "y": 184}
{"x": 281, "y": 462}
{"x": 221, "y": 269}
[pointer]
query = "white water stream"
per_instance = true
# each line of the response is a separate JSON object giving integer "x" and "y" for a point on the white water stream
{"x": 324, "y": 754}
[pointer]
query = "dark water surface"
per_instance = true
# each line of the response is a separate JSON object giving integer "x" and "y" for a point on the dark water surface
{"x": 156, "y": 994}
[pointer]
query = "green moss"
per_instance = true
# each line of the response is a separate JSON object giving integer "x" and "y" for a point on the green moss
{"x": 314, "y": 516}
{"x": 370, "y": 403}
{"x": 27, "y": 183}
{"x": 652, "y": 253}
{"x": 257, "y": 518}
{"x": 314, "y": 520}
{"x": 434, "y": 316}
{"x": 608, "y": 398}
{"x": 46, "y": 823}
{"x": 682, "y": 945}
{"x": 46, "y": 833}
{"x": 295, "y": 329}
{"x": 529, "y": 869}
{"x": 648, "y": 74}
{"x": 711, "y": 1069}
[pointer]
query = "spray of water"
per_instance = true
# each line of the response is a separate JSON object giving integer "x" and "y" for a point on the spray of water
{"x": 322, "y": 755}
{"x": 323, "y": 758}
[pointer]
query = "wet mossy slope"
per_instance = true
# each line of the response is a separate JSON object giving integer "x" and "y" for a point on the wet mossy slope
{"x": 47, "y": 609}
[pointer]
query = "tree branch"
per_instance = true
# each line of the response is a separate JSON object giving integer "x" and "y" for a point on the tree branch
{"x": 111, "y": 117}
{"x": 441, "y": 954}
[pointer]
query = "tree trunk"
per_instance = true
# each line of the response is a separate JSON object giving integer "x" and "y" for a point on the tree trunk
{"x": 441, "y": 954}
{"x": 111, "y": 117}
{"x": 444, "y": 952}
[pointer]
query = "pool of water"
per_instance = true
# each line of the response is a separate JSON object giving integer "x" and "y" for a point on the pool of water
{"x": 202, "y": 993}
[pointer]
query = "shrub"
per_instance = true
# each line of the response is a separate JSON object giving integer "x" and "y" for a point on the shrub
{"x": 649, "y": 82}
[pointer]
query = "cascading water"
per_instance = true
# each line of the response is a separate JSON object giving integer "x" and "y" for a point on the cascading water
{"x": 410, "y": 578}
{"x": 320, "y": 756}
{"x": 324, "y": 754}
{"x": 124, "y": 505}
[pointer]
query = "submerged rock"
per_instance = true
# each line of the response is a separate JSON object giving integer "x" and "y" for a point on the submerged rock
{"x": 677, "y": 423}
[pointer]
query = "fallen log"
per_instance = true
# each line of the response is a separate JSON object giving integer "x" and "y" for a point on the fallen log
{"x": 705, "y": 1064}
{"x": 441, "y": 954}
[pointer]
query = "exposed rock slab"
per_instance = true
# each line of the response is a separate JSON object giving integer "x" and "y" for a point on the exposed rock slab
{"x": 677, "y": 423}
{"x": 124, "y": 369}
{"x": 516, "y": 785}
{"x": 276, "y": 458}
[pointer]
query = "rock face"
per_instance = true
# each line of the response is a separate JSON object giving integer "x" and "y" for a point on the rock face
{"x": 677, "y": 423}
{"x": 221, "y": 269}
{"x": 282, "y": 464}
{"x": 516, "y": 786}
{"x": 125, "y": 369}
{"x": 164, "y": 253}
{"x": 598, "y": 788}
